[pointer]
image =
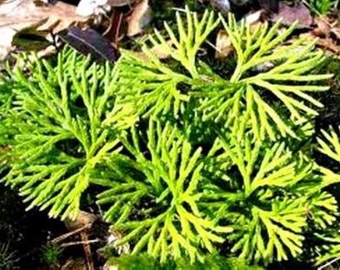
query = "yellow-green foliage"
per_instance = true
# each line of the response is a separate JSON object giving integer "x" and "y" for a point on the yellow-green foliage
{"x": 189, "y": 160}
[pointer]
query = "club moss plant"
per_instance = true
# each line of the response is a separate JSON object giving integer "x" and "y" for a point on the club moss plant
{"x": 191, "y": 161}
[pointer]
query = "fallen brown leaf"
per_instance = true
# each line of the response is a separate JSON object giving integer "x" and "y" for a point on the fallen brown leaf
{"x": 120, "y": 3}
{"x": 290, "y": 14}
{"x": 328, "y": 33}
{"x": 336, "y": 32}
{"x": 139, "y": 18}
{"x": 223, "y": 45}
{"x": 328, "y": 44}
{"x": 323, "y": 27}
{"x": 59, "y": 17}
{"x": 40, "y": 19}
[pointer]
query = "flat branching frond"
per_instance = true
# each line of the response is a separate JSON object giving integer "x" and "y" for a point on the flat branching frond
{"x": 329, "y": 145}
{"x": 155, "y": 87}
{"x": 211, "y": 261}
{"x": 150, "y": 85}
{"x": 7, "y": 129}
{"x": 191, "y": 35}
{"x": 219, "y": 97}
{"x": 328, "y": 253}
{"x": 268, "y": 234}
{"x": 262, "y": 44}
{"x": 66, "y": 128}
{"x": 322, "y": 210}
{"x": 283, "y": 226}
{"x": 265, "y": 68}
{"x": 256, "y": 192}
{"x": 170, "y": 223}
{"x": 261, "y": 167}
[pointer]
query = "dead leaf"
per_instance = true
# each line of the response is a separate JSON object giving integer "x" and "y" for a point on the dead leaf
{"x": 10, "y": 25}
{"x": 39, "y": 19}
{"x": 223, "y": 45}
{"x": 60, "y": 16}
{"x": 326, "y": 28}
{"x": 139, "y": 18}
{"x": 291, "y": 14}
{"x": 120, "y": 3}
{"x": 328, "y": 33}
{"x": 222, "y": 6}
{"x": 89, "y": 42}
{"x": 336, "y": 32}
{"x": 323, "y": 27}
{"x": 10, "y": 6}
{"x": 254, "y": 18}
{"x": 328, "y": 44}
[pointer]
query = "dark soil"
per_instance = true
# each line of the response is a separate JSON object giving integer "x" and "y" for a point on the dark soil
{"x": 24, "y": 232}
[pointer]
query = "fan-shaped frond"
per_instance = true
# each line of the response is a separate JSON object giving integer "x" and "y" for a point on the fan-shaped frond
{"x": 287, "y": 78}
{"x": 169, "y": 170}
{"x": 329, "y": 145}
{"x": 257, "y": 199}
{"x": 154, "y": 87}
{"x": 62, "y": 133}
{"x": 329, "y": 250}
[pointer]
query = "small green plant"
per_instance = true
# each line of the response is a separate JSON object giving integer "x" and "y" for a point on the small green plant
{"x": 321, "y": 7}
{"x": 50, "y": 254}
{"x": 189, "y": 160}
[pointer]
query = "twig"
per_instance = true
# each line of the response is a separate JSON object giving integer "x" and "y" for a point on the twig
{"x": 79, "y": 243}
{"x": 87, "y": 250}
{"x": 67, "y": 235}
{"x": 328, "y": 264}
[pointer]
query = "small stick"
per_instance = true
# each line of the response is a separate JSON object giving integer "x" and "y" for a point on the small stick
{"x": 67, "y": 235}
{"x": 328, "y": 264}
{"x": 79, "y": 243}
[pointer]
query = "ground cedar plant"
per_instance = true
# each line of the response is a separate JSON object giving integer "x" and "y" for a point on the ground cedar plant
{"x": 189, "y": 161}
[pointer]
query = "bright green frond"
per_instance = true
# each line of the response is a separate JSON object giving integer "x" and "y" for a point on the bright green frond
{"x": 62, "y": 133}
{"x": 282, "y": 75}
{"x": 192, "y": 32}
{"x": 256, "y": 196}
{"x": 329, "y": 250}
{"x": 171, "y": 223}
{"x": 329, "y": 145}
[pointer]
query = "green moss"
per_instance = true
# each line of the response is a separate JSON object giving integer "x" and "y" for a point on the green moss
{"x": 50, "y": 254}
